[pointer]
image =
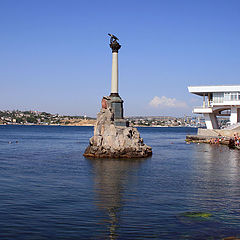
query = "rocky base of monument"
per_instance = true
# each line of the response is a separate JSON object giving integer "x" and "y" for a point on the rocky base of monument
{"x": 111, "y": 141}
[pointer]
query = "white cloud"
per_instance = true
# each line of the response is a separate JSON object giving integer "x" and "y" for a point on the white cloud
{"x": 167, "y": 102}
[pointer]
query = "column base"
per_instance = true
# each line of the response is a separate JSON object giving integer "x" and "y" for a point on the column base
{"x": 114, "y": 95}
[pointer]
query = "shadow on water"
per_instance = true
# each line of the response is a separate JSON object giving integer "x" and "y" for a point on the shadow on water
{"x": 111, "y": 177}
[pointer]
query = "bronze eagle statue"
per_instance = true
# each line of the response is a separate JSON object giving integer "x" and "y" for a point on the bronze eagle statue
{"x": 113, "y": 38}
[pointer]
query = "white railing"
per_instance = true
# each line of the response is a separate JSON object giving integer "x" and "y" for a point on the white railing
{"x": 202, "y": 107}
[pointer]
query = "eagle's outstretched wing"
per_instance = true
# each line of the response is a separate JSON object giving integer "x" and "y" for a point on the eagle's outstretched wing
{"x": 112, "y": 36}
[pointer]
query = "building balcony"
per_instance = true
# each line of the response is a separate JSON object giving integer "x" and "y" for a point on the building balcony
{"x": 203, "y": 110}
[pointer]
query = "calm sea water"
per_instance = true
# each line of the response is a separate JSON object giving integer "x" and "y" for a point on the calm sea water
{"x": 48, "y": 190}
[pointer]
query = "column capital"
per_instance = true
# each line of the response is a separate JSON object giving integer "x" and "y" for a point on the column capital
{"x": 115, "y": 46}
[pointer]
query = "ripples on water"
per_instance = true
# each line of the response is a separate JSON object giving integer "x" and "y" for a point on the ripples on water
{"x": 49, "y": 191}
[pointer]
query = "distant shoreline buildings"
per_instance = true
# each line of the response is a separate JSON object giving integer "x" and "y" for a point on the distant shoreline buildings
{"x": 30, "y": 117}
{"x": 17, "y": 117}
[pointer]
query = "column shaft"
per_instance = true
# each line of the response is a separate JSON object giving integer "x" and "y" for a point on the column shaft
{"x": 208, "y": 99}
{"x": 234, "y": 115}
{"x": 211, "y": 121}
{"x": 114, "y": 85}
{"x": 204, "y": 104}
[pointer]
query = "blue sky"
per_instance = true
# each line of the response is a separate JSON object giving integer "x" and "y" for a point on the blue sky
{"x": 55, "y": 55}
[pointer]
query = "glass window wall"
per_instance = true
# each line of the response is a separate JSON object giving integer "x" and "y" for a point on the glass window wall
{"x": 232, "y": 96}
{"x": 220, "y": 97}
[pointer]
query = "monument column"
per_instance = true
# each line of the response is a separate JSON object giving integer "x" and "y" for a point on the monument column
{"x": 114, "y": 85}
{"x": 116, "y": 101}
{"x": 115, "y": 46}
{"x": 113, "y": 137}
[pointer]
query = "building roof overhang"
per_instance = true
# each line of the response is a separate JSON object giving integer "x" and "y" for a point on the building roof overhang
{"x": 204, "y": 90}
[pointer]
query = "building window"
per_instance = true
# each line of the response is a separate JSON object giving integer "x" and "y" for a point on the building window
{"x": 218, "y": 97}
{"x": 227, "y": 96}
{"x": 234, "y": 96}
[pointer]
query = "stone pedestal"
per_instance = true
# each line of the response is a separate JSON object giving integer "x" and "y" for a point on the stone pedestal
{"x": 117, "y": 106}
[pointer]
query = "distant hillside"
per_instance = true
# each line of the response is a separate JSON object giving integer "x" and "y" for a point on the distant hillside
{"x": 42, "y": 118}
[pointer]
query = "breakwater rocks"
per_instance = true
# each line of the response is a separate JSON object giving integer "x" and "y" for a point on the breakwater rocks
{"x": 207, "y": 139}
{"x": 198, "y": 139}
{"x": 111, "y": 141}
{"x": 223, "y": 140}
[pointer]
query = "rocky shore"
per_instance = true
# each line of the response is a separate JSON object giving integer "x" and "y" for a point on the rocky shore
{"x": 111, "y": 141}
{"x": 222, "y": 140}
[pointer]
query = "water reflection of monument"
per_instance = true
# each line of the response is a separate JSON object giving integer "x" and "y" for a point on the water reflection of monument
{"x": 111, "y": 178}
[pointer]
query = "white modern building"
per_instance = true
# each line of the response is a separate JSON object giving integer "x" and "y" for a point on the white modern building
{"x": 221, "y": 100}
